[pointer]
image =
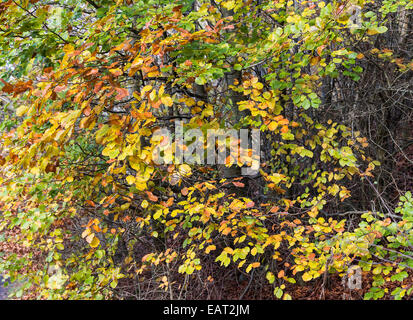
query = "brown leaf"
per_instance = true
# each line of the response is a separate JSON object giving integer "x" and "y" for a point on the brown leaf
{"x": 122, "y": 93}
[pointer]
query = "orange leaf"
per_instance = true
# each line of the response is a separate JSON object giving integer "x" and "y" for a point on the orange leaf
{"x": 320, "y": 49}
{"x": 250, "y": 204}
{"x": 151, "y": 196}
{"x": 239, "y": 184}
{"x": 91, "y": 203}
{"x": 169, "y": 202}
{"x": 122, "y": 93}
{"x": 284, "y": 121}
{"x": 226, "y": 231}
{"x": 184, "y": 191}
{"x": 274, "y": 209}
{"x": 98, "y": 86}
{"x": 60, "y": 88}
{"x": 284, "y": 129}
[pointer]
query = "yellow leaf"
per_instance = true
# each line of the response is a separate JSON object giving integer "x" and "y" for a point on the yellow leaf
{"x": 116, "y": 72}
{"x": 167, "y": 100}
{"x": 130, "y": 179}
{"x": 273, "y": 125}
{"x": 145, "y": 89}
{"x": 258, "y": 85}
{"x": 372, "y": 32}
{"x": 185, "y": 170}
{"x": 307, "y": 276}
{"x": 137, "y": 62}
{"x": 229, "y": 5}
{"x": 157, "y": 214}
{"x": 270, "y": 277}
{"x": 266, "y": 95}
{"x": 95, "y": 242}
{"x": 152, "y": 95}
{"x": 21, "y": 110}
{"x": 254, "y": 251}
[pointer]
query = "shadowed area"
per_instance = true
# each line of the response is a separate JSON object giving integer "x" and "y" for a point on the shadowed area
{"x": 3, "y": 290}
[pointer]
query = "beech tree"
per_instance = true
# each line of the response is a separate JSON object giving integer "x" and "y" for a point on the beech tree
{"x": 90, "y": 82}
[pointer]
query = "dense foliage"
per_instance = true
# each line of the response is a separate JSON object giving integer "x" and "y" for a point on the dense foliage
{"x": 89, "y": 82}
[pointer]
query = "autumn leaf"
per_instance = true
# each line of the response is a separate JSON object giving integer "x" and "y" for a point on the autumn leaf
{"x": 116, "y": 72}
{"x": 151, "y": 196}
{"x": 122, "y": 93}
